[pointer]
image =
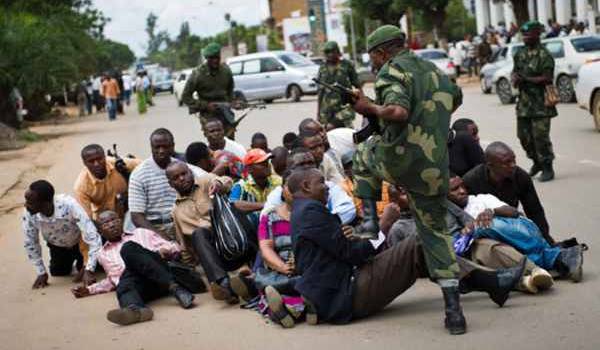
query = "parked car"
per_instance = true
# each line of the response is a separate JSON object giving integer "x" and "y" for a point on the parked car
{"x": 588, "y": 90}
{"x": 181, "y": 79}
{"x": 162, "y": 81}
{"x": 502, "y": 57}
{"x": 440, "y": 59}
{"x": 271, "y": 75}
{"x": 569, "y": 53}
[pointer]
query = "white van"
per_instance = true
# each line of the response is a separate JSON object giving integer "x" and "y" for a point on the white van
{"x": 273, "y": 74}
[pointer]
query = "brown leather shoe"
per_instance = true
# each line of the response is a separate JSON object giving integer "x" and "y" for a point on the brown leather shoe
{"x": 130, "y": 315}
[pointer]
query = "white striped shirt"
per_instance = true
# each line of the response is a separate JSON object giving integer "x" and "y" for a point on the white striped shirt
{"x": 150, "y": 192}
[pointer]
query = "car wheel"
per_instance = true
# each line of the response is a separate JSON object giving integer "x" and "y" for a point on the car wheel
{"x": 596, "y": 110}
{"x": 566, "y": 91}
{"x": 269, "y": 100}
{"x": 504, "y": 91}
{"x": 484, "y": 88}
{"x": 294, "y": 93}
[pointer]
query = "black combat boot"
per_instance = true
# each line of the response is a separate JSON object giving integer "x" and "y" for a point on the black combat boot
{"x": 547, "y": 172}
{"x": 455, "y": 321}
{"x": 497, "y": 284}
{"x": 535, "y": 169}
{"x": 369, "y": 228}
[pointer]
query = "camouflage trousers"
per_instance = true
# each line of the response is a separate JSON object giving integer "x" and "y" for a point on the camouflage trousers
{"x": 429, "y": 213}
{"x": 534, "y": 134}
{"x": 342, "y": 118}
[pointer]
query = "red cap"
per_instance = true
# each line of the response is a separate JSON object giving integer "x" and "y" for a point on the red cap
{"x": 255, "y": 156}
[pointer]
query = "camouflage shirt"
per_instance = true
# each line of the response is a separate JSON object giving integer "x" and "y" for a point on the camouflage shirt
{"x": 415, "y": 153}
{"x": 209, "y": 87}
{"x": 533, "y": 62}
{"x": 330, "y": 102}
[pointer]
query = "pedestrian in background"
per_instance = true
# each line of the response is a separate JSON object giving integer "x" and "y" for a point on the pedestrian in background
{"x": 140, "y": 93}
{"x": 126, "y": 88}
{"x": 96, "y": 86}
{"x": 147, "y": 88}
{"x": 89, "y": 93}
{"x": 110, "y": 91}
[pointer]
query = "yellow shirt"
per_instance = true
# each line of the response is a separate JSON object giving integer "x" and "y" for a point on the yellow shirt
{"x": 97, "y": 195}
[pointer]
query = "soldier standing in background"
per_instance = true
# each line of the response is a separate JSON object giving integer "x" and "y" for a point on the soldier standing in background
{"x": 332, "y": 113}
{"x": 533, "y": 71}
{"x": 414, "y": 102}
{"x": 213, "y": 84}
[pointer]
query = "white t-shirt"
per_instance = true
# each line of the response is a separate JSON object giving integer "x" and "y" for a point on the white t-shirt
{"x": 342, "y": 142}
{"x": 235, "y": 148}
{"x": 479, "y": 203}
{"x": 126, "y": 82}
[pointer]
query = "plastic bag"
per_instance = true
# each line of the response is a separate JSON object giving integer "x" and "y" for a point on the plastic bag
{"x": 230, "y": 236}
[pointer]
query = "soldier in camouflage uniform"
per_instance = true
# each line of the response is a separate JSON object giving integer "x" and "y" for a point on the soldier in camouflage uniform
{"x": 414, "y": 101}
{"x": 332, "y": 112}
{"x": 213, "y": 83}
{"x": 533, "y": 70}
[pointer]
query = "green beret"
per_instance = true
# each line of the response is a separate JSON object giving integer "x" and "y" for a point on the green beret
{"x": 331, "y": 46}
{"x": 382, "y": 35}
{"x": 532, "y": 26}
{"x": 212, "y": 49}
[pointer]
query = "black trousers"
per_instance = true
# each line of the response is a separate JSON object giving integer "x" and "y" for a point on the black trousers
{"x": 146, "y": 277}
{"x": 216, "y": 268}
{"x": 61, "y": 259}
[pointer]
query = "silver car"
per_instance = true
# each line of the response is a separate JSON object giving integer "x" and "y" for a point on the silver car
{"x": 271, "y": 75}
{"x": 502, "y": 58}
{"x": 440, "y": 59}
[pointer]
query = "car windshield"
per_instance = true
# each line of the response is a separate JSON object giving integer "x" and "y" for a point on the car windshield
{"x": 432, "y": 55}
{"x": 162, "y": 77}
{"x": 295, "y": 60}
{"x": 588, "y": 44}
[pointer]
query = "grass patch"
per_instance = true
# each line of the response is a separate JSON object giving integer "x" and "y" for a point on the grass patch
{"x": 28, "y": 136}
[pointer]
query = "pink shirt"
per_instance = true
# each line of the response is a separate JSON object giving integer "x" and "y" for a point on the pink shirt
{"x": 110, "y": 256}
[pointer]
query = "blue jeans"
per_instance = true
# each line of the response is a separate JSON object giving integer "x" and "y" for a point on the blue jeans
{"x": 111, "y": 105}
{"x": 523, "y": 235}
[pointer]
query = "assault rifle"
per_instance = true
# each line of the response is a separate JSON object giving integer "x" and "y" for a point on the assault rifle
{"x": 349, "y": 97}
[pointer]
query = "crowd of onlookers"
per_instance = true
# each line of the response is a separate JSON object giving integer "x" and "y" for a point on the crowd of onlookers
{"x": 151, "y": 226}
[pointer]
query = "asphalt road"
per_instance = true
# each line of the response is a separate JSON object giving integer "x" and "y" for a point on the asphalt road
{"x": 564, "y": 317}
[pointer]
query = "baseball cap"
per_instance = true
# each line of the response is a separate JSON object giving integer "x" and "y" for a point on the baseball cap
{"x": 255, "y": 156}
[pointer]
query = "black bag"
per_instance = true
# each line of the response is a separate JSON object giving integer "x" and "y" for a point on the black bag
{"x": 231, "y": 239}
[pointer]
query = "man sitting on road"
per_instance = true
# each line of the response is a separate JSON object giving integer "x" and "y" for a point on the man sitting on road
{"x": 259, "y": 140}
{"x": 342, "y": 280}
{"x": 331, "y": 155}
{"x": 500, "y": 176}
{"x": 194, "y": 226}
{"x": 151, "y": 199}
{"x": 339, "y": 202}
{"x": 102, "y": 185}
{"x": 464, "y": 150}
{"x": 314, "y": 143}
{"x": 62, "y": 222}
{"x": 136, "y": 266}
{"x": 279, "y": 160}
{"x": 215, "y": 134}
{"x": 249, "y": 195}
{"x": 492, "y": 218}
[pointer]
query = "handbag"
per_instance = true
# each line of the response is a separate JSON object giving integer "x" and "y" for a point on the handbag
{"x": 551, "y": 97}
{"x": 231, "y": 239}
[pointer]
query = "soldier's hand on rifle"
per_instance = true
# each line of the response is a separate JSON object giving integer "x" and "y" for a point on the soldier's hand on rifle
{"x": 362, "y": 104}
{"x": 236, "y": 104}
{"x": 211, "y": 107}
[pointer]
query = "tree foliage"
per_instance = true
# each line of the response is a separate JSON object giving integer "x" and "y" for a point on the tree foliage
{"x": 48, "y": 45}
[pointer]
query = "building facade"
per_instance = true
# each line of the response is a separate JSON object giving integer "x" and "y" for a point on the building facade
{"x": 496, "y": 12}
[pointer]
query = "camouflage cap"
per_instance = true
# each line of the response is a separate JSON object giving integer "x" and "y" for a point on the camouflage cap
{"x": 382, "y": 35}
{"x": 531, "y": 26}
{"x": 212, "y": 49}
{"x": 331, "y": 46}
